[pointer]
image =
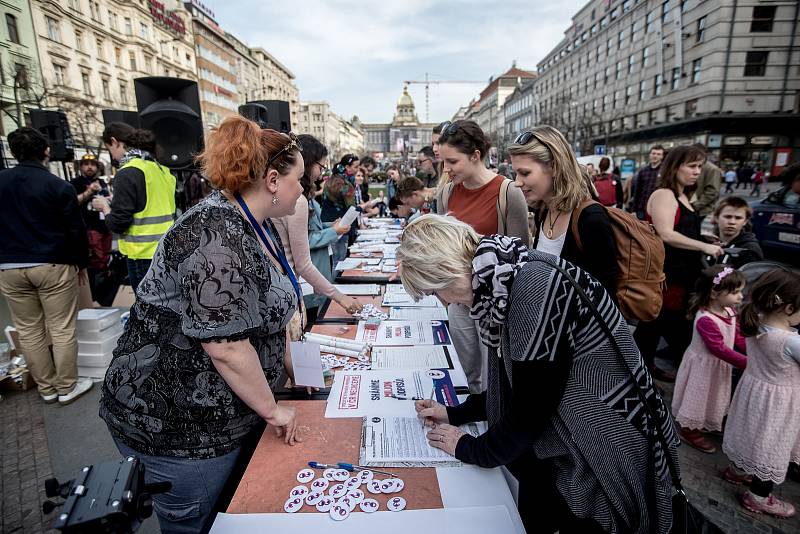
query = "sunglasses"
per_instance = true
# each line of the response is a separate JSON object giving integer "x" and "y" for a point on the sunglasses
{"x": 443, "y": 126}
{"x": 525, "y": 137}
{"x": 292, "y": 144}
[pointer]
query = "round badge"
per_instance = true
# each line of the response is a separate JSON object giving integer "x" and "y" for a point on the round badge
{"x": 356, "y": 494}
{"x": 314, "y": 497}
{"x": 365, "y": 476}
{"x": 387, "y": 486}
{"x": 305, "y": 475}
{"x": 349, "y": 502}
{"x": 341, "y": 475}
{"x": 328, "y": 474}
{"x": 374, "y": 486}
{"x": 395, "y": 504}
{"x": 325, "y": 503}
{"x": 293, "y": 505}
{"x": 320, "y": 484}
{"x": 368, "y": 505}
{"x": 353, "y": 482}
{"x": 339, "y": 512}
{"x": 337, "y": 490}
{"x": 298, "y": 491}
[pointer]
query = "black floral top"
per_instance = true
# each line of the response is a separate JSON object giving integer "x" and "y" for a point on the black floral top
{"x": 210, "y": 280}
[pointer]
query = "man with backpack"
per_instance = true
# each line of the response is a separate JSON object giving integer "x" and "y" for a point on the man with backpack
{"x": 609, "y": 188}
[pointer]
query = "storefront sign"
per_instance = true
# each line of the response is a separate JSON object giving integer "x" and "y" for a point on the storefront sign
{"x": 627, "y": 169}
{"x": 714, "y": 141}
{"x": 168, "y": 19}
{"x": 761, "y": 140}
{"x": 735, "y": 140}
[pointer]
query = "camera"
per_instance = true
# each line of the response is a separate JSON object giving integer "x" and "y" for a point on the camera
{"x": 110, "y": 497}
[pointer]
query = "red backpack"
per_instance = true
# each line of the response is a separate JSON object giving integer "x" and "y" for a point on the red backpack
{"x": 606, "y": 187}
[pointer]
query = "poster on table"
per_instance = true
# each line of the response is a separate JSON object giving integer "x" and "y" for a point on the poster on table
{"x": 393, "y": 333}
{"x": 388, "y": 392}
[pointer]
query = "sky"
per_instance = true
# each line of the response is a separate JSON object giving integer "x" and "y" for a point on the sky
{"x": 356, "y": 53}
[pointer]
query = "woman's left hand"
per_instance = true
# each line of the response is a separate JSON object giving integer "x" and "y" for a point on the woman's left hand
{"x": 445, "y": 437}
{"x": 351, "y": 305}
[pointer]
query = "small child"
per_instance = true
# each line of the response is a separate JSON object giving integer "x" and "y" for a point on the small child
{"x": 732, "y": 221}
{"x": 703, "y": 385}
{"x": 763, "y": 431}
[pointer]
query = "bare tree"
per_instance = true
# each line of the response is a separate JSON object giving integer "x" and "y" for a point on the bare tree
{"x": 29, "y": 91}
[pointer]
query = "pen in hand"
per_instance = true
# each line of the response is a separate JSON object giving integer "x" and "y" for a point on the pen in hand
{"x": 433, "y": 390}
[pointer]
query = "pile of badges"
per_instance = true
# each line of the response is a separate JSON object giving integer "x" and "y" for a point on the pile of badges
{"x": 369, "y": 310}
{"x": 344, "y": 363}
{"x": 344, "y": 493}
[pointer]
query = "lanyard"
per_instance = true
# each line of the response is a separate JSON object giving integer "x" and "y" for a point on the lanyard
{"x": 275, "y": 253}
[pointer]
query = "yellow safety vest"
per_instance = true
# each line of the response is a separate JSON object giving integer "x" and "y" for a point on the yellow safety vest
{"x": 141, "y": 239}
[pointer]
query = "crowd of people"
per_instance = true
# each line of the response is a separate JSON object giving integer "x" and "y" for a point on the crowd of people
{"x": 530, "y": 269}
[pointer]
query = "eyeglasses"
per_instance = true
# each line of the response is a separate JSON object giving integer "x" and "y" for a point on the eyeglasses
{"x": 423, "y": 160}
{"x": 322, "y": 168}
{"x": 292, "y": 144}
{"x": 525, "y": 137}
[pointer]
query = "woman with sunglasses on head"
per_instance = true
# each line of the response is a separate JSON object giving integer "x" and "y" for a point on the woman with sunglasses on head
{"x": 678, "y": 225}
{"x": 307, "y": 239}
{"x": 190, "y": 384}
{"x": 484, "y": 200}
{"x": 554, "y": 184}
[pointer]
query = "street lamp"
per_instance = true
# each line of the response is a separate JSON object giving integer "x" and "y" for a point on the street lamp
{"x": 574, "y": 111}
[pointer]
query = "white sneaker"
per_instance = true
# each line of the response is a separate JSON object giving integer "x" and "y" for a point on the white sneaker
{"x": 49, "y": 399}
{"x": 81, "y": 386}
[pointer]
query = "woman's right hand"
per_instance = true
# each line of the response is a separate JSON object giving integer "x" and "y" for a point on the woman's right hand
{"x": 431, "y": 412}
{"x": 340, "y": 230}
{"x": 712, "y": 250}
{"x": 284, "y": 421}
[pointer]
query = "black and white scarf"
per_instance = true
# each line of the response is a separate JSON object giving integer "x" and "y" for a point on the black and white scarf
{"x": 133, "y": 153}
{"x": 497, "y": 261}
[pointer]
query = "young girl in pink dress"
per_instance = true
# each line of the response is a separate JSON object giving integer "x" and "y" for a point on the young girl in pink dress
{"x": 763, "y": 431}
{"x": 703, "y": 385}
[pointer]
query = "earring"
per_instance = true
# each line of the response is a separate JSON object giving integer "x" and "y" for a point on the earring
{"x": 274, "y": 200}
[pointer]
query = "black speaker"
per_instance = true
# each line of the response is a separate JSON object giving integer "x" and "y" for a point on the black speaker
{"x": 54, "y": 126}
{"x": 170, "y": 108}
{"x": 256, "y": 113}
{"x": 277, "y": 117}
{"x": 131, "y": 118}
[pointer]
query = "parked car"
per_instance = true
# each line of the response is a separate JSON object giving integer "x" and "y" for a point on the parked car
{"x": 776, "y": 223}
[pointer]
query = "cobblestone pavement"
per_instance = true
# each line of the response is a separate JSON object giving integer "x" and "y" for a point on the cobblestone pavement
{"x": 26, "y": 463}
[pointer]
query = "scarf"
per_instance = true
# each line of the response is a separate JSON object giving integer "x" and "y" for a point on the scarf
{"x": 136, "y": 153}
{"x": 497, "y": 261}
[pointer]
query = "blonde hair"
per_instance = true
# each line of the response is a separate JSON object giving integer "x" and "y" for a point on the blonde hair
{"x": 571, "y": 182}
{"x": 434, "y": 250}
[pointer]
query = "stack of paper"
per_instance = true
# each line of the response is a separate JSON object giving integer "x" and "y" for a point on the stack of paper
{"x": 358, "y": 289}
{"x": 98, "y": 330}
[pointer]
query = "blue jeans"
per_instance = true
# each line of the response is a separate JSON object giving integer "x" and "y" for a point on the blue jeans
{"x": 188, "y": 507}
{"x": 339, "y": 251}
{"x": 136, "y": 271}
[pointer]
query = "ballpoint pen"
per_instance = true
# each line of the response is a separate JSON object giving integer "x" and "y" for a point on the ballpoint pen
{"x": 433, "y": 390}
{"x": 348, "y": 467}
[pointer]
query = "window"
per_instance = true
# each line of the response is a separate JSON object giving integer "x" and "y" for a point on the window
{"x": 610, "y": 46}
{"x": 132, "y": 57}
{"x": 118, "y": 55}
{"x": 175, "y": 53}
{"x": 645, "y": 56}
{"x": 604, "y": 22}
{"x": 627, "y": 5}
{"x": 94, "y": 11}
{"x": 607, "y": 73}
{"x": 631, "y": 64}
{"x": 642, "y": 90}
{"x": 78, "y": 40}
{"x": 53, "y": 32}
{"x": 665, "y": 14}
{"x": 148, "y": 64}
{"x": 143, "y": 30}
{"x": 605, "y": 102}
{"x": 628, "y": 94}
{"x": 676, "y": 78}
{"x": 13, "y": 32}
{"x": 597, "y": 79}
{"x": 617, "y": 98}
{"x": 619, "y": 70}
{"x": 60, "y": 74}
{"x": 756, "y": 63}
{"x": 106, "y": 89}
{"x": 128, "y": 26}
{"x": 636, "y": 29}
{"x": 650, "y": 22}
{"x": 701, "y": 30}
{"x": 594, "y": 29}
{"x": 113, "y": 20}
{"x": 123, "y": 93}
{"x": 657, "y": 83}
{"x": 75, "y": 5}
{"x": 599, "y": 52}
{"x": 696, "y": 70}
{"x": 691, "y": 107}
{"x": 101, "y": 52}
{"x": 621, "y": 37}
{"x": 615, "y": 13}
{"x": 87, "y": 89}
{"x": 763, "y": 16}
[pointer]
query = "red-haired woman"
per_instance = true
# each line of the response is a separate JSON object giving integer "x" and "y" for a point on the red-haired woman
{"x": 190, "y": 381}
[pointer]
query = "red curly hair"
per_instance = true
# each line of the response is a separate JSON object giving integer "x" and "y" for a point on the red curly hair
{"x": 237, "y": 152}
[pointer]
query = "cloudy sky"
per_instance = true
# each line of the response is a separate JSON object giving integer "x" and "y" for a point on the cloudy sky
{"x": 356, "y": 53}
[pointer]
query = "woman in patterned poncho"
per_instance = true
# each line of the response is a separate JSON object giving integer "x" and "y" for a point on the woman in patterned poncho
{"x": 564, "y": 414}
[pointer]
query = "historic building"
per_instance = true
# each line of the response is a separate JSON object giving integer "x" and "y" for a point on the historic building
{"x": 403, "y": 137}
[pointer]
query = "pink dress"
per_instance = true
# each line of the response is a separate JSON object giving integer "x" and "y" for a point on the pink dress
{"x": 703, "y": 385}
{"x": 763, "y": 431}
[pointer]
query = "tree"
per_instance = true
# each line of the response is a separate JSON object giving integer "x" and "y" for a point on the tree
{"x": 29, "y": 91}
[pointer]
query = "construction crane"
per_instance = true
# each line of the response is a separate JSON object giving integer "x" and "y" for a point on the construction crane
{"x": 427, "y": 83}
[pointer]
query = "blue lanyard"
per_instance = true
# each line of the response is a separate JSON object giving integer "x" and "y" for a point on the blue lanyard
{"x": 277, "y": 254}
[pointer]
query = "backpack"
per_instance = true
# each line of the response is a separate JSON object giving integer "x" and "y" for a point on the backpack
{"x": 502, "y": 203}
{"x": 640, "y": 262}
{"x": 606, "y": 187}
